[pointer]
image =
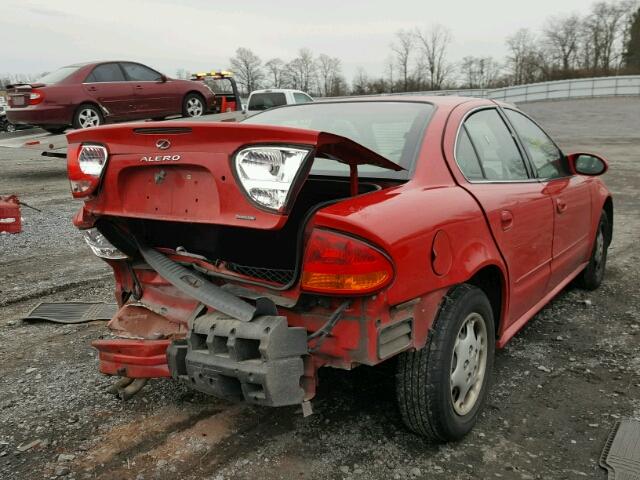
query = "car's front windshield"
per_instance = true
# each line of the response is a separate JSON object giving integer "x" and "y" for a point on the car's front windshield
{"x": 391, "y": 129}
{"x": 57, "y": 75}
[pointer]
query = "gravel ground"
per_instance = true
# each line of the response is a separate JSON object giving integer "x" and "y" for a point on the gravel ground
{"x": 558, "y": 386}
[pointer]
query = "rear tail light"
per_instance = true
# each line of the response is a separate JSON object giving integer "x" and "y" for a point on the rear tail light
{"x": 36, "y": 97}
{"x": 85, "y": 164}
{"x": 339, "y": 264}
{"x": 267, "y": 173}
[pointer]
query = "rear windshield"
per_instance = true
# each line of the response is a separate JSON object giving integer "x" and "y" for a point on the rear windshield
{"x": 391, "y": 129}
{"x": 57, "y": 75}
{"x": 263, "y": 101}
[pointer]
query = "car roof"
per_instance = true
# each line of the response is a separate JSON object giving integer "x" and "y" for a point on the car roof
{"x": 278, "y": 90}
{"x": 449, "y": 101}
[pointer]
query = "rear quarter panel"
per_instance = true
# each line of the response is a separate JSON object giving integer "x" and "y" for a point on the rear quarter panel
{"x": 404, "y": 222}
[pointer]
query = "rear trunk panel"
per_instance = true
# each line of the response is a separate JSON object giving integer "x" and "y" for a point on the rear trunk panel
{"x": 187, "y": 201}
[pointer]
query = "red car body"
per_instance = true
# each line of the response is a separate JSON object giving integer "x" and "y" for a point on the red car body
{"x": 520, "y": 242}
{"x": 53, "y": 104}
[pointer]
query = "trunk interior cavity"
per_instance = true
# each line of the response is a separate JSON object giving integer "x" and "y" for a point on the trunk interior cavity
{"x": 264, "y": 255}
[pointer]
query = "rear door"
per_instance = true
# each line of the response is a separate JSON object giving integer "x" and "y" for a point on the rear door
{"x": 570, "y": 194}
{"x": 153, "y": 96}
{"x": 107, "y": 86}
{"x": 518, "y": 209}
{"x": 300, "y": 97}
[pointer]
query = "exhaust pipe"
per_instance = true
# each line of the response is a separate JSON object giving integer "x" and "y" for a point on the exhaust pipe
{"x": 130, "y": 390}
{"x": 127, "y": 387}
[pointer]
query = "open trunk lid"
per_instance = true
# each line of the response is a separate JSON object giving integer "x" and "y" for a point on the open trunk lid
{"x": 183, "y": 172}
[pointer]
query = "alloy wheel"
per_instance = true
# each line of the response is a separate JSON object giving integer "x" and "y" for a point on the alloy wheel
{"x": 88, "y": 117}
{"x": 468, "y": 363}
{"x": 194, "y": 107}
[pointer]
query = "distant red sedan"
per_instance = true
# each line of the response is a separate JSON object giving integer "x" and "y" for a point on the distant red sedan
{"x": 91, "y": 94}
{"x": 337, "y": 234}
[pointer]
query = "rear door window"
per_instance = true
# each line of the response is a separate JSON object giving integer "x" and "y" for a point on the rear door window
{"x": 140, "y": 73}
{"x": 264, "y": 101}
{"x": 496, "y": 149}
{"x": 547, "y": 159}
{"x": 467, "y": 159}
{"x": 301, "y": 98}
{"x": 107, "y": 72}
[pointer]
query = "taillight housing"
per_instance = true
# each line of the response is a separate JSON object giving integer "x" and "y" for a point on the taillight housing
{"x": 337, "y": 264}
{"x": 36, "y": 97}
{"x": 85, "y": 164}
{"x": 268, "y": 173}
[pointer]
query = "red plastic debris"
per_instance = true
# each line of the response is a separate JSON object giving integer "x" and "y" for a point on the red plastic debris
{"x": 10, "y": 220}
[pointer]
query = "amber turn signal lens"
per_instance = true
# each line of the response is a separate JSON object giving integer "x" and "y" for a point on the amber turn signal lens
{"x": 339, "y": 264}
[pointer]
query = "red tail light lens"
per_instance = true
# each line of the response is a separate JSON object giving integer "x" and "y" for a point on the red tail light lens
{"x": 85, "y": 164}
{"x": 339, "y": 264}
{"x": 36, "y": 97}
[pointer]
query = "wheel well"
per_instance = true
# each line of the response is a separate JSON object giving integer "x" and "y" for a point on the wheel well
{"x": 608, "y": 208}
{"x": 93, "y": 104}
{"x": 195, "y": 92}
{"x": 489, "y": 279}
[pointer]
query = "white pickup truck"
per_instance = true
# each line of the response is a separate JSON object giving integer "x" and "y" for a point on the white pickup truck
{"x": 260, "y": 100}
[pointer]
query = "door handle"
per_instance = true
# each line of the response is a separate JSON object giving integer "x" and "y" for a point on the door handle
{"x": 561, "y": 206}
{"x": 92, "y": 89}
{"x": 506, "y": 219}
{"x": 138, "y": 87}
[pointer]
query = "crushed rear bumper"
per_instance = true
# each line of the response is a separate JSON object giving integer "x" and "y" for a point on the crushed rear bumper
{"x": 260, "y": 361}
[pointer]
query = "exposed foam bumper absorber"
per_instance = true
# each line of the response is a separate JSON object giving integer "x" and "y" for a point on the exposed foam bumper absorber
{"x": 258, "y": 361}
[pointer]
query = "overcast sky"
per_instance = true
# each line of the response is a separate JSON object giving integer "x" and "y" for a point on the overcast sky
{"x": 41, "y": 35}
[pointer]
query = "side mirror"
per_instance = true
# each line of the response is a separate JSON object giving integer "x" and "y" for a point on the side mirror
{"x": 163, "y": 78}
{"x": 587, "y": 164}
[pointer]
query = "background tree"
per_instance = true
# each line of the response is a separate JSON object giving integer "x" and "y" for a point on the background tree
{"x": 434, "y": 43}
{"x": 329, "y": 69}
{"x": 247, "y": 67}
{"x": 479, "y": 72}
{"x": 403, "y": 50}
{"x": 360, "y": 82}
{"x": 561, "y": 36}
{"x": 632, "y": 48}
{"x": 275, "y": 72}
{"x": 301, "y": 71}
{"x": 524, "y": 57}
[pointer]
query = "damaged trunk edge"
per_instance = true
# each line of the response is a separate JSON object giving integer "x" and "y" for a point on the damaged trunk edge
{"x": 210, "y": 301}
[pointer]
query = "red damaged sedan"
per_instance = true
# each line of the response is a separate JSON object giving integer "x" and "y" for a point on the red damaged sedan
{"x": 336, "y": 234}
{"x": 91, "y": 94}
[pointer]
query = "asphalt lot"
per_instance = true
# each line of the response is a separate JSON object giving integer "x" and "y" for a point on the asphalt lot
{"x": 558, "y": 388}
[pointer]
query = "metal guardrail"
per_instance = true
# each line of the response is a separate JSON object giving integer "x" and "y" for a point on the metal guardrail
{"x": 555, "y": 90}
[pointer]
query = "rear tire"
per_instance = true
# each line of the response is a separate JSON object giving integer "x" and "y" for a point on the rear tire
{"x": 10, "y": 128}
{"x": 441, "y": 388}
{"x": 87, "y": 115}
{"x": 593, "y": 274}
{"x": 193, "y": 105}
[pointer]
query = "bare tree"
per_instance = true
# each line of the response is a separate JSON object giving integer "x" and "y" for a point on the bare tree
{"x": 402, "y": 51}
{"x": 275, "y": 72}
{"x": 632, "y": 45}
{"x": 604, "y": 33}
{"x": 389, "y": 73}
{"x": 479, "y": 72}
{"x": 561, "y": 38}
{"x": 360, "y": 82}
{"x": 434, "y": 43}
{"x": 524, "y": 57}
{"x": 301, "y": 71}
{"x": 329, "y": 69}
{"x": 246, "y": 66}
